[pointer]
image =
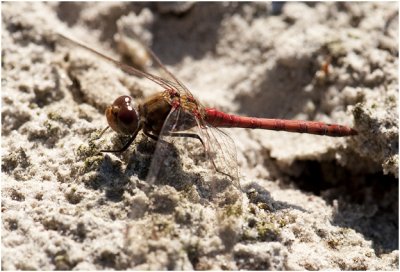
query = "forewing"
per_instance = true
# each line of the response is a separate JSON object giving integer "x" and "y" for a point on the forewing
{"x": 169, "y": 78}
{"x": 221, "y": 152}
{"x": 176, "y": 155}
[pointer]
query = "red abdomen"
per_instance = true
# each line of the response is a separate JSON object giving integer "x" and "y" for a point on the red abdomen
{"x": 221, "y": 119}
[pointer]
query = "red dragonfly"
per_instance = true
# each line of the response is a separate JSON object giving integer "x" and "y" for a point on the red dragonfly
{"x": 175, "y": 113}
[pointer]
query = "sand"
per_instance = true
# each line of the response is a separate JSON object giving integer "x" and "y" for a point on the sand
{"x": 303, "y": 201}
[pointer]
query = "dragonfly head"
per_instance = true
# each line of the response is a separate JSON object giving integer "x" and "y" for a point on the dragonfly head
{"x": 121, "y": 116}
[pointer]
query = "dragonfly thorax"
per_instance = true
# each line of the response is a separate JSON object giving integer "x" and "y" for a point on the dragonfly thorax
{"x": 156, "y": 109}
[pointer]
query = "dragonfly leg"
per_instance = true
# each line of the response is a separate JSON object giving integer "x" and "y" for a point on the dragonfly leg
{"x": 148, "y": 134}
{"x": 125, "y": 147}
{"x": 175, "y": 134}
{"x": 187, "y": 135}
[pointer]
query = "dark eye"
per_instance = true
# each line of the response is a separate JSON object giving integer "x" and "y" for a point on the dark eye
{"x": 127, "y": 115}
{"x": 125, "y": 118}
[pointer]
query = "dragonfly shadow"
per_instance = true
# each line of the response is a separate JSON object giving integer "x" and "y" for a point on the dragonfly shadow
{"x": 257, "y": 194}
{"x": 106, "y": 175}
{"x": 114, "y": 177}
{"x": 165, "y": 168}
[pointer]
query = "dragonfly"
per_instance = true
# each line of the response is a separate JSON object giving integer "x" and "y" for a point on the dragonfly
{"x": 176, "y": 113}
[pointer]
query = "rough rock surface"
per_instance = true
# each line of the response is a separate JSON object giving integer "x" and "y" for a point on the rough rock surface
{"x": 306, "y": 202}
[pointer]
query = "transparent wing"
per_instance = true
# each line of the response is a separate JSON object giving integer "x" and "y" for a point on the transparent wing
{"x": 165, "y": 83}
{"x": 221, "y": 152}
{"x": 167, "y": 75}
{"x": 179, "y": 153}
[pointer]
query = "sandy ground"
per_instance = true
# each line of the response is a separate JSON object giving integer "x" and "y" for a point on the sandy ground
{"x": 306, "y": 202}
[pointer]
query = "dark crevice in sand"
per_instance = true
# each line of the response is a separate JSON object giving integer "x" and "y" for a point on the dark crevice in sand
{"x": 375, "y": 192}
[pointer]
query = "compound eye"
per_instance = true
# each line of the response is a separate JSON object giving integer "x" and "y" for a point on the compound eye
{"x": 125, "y": 118}
{"x": 127, "y": 114}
